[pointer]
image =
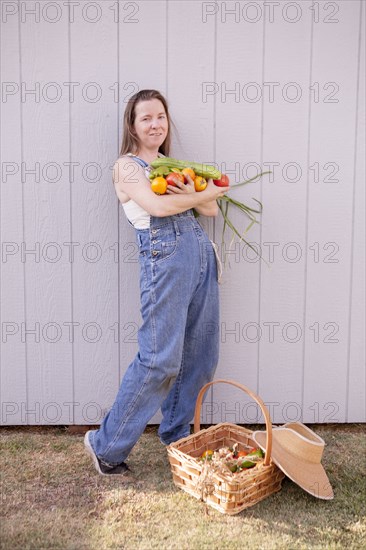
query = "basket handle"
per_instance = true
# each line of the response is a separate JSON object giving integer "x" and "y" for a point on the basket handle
{"x": 197, "y": 412}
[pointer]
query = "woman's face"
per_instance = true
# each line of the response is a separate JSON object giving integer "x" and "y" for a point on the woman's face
{"x": 151, "y": 123}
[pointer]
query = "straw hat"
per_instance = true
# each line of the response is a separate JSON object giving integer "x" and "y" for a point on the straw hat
{"x": 298, "y": 451}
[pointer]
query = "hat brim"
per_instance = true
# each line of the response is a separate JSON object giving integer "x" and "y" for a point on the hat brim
{"x": 309, "y": 476}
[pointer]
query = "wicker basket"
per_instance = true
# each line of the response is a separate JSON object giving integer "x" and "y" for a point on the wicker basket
{"x": 228, "y": 493}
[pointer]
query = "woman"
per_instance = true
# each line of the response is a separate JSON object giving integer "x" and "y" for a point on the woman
{"x": 178, "y": 339}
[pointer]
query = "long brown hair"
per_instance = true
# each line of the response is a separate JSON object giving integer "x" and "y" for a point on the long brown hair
{"x": 130, "y": 143}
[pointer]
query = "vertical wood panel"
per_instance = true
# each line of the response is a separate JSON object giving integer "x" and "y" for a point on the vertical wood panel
{"x": 180, "y": 50}
{"x": 94, "y": 213}
{"x": 330, "y": 216}
{"x": 283, "y": 229}
{"x": 238, "y": 150}
{"x": 355, "y": 394}
{"x": 190, "y": 62}
{"x": 142, "y": 56}
{"x": 13, "y": 374}
{"x": 47, "y": 220}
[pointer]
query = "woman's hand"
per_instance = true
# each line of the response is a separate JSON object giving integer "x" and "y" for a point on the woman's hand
{"x": 182, "y": 187}
{"x": 212, "y": 191}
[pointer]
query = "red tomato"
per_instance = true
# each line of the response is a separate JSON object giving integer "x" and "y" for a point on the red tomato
{"x": 223, "y": 181}
{"x": 172, "y": 176}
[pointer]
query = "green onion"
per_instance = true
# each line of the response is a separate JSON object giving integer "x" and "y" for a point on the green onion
{"x": 226, "y": 201}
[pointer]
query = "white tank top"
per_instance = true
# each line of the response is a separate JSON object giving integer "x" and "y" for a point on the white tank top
{"x": 136, "y": 215}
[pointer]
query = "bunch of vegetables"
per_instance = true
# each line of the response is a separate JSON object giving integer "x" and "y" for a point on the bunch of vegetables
{"x": 232, "y": 459}
{"x": 165, "y": 169}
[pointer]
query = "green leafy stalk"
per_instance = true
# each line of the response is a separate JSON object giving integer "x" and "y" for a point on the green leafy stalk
{"x": 243, "y": 207}
{"x": 251, "y": 179}
{"x": 224, "y": 203}
{"x": 233, "y": 228}
{"x": 225, "y": 222}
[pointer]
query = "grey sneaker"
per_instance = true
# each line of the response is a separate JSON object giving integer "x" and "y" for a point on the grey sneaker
{"x": 103, "y": 469}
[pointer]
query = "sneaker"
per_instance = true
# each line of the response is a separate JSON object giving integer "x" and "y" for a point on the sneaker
{"x": 103, "y": 469}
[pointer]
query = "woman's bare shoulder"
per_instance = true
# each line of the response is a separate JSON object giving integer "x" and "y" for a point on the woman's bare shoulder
{"x": 125, "y": 168}
{"x": 126, "y": 160}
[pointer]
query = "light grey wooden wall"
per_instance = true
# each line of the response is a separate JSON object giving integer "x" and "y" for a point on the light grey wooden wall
{"x": 277, "y": 85}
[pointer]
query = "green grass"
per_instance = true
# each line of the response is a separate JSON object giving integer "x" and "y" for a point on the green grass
{"x": 52, "y": 498}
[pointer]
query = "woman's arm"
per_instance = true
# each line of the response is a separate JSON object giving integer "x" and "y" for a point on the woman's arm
{"x": 130, "y": 178}
{"x": 208, "y": 209}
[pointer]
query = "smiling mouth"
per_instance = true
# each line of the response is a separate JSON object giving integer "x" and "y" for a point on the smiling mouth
{"x": 156, "y": 134}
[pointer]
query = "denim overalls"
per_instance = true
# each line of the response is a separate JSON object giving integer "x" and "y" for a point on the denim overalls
{"x": 178, "y": 340}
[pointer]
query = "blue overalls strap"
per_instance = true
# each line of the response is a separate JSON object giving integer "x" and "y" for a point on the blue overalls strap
{"x": 141, "y": 162}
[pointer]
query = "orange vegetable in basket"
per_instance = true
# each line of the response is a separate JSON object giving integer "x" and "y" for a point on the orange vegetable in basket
{"x": 241, "y": 453}
{"x": 255, "y": 454}
{"x": 207, "y": 454}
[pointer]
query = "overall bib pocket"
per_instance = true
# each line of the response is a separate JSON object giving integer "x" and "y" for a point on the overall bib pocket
{"x": 164, "y": 243}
